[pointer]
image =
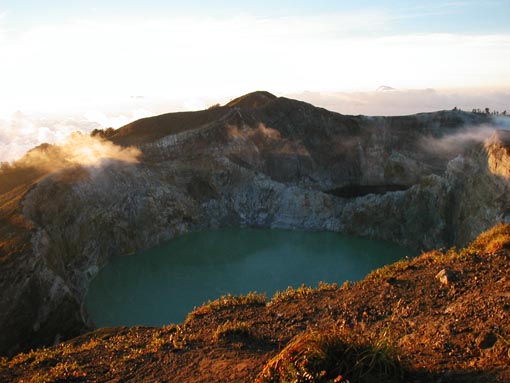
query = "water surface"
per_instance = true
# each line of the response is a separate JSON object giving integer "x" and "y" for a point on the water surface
{"x": 163, "y": 284}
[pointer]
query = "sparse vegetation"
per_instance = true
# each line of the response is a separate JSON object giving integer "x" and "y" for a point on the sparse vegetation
{"x": 59, "y": 363}
{"x": 300, "y": 292}
{"x": 487, "y": 111}
{"x": 491, "y": 241}
{"x": 229, "y": 300}
{"x": 103, "y": 133}
{"x": 389, "y": 271}
{"x": 34, "y": 357}
{"x": 62, "y": 372}
{"x": 233, "y": 330}
{"x": 333, "y": 357}
{"x": 162, "y": 340}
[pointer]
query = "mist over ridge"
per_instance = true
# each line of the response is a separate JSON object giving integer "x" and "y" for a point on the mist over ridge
{"x": 20, "y": 131}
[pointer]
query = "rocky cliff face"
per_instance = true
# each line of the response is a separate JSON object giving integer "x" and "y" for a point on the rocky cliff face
{"x": 259, "y": 161}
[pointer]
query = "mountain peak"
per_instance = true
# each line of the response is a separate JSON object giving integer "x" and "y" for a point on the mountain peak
{"x": 252, "y": 100}
{"x": 384, "y": 88}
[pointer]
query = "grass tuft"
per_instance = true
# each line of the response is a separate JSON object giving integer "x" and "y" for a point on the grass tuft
{"x": 229, "y": 300}
{"x": 490, "y": 241}
{"x": 333, "y": 357}
{"x": 234, "y": 331}
{"x": 389, "y": 271}
{"x": 301, "y": 292}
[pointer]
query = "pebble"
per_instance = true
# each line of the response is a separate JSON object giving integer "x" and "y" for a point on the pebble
{"x": 445, "y": 276}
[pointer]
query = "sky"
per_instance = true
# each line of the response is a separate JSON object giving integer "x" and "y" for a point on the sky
{"x": 71, "y": 65}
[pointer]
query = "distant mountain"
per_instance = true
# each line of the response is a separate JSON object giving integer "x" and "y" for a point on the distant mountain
{"x": 384, "y": 88}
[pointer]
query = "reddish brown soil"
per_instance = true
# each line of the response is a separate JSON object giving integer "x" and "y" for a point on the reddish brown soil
{"x": 457, "y": 331}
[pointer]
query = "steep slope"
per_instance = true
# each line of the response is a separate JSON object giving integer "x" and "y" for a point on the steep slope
{"x": 442, "y": 317}
{"x": 263, "y": 161}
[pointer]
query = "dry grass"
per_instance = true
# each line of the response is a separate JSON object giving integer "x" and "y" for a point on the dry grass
{"x": 229, "y": 300}
{"x": 388, "y": 271}
{"x": 333, "y": 357}
{"x": 504, "y": 344}
{"x": 62, "y": 372}
{"x": 301, "y": 292}
{"x": 234, "y": 331}
{"x": 60, "y": 363}
{"x": 491, "y": 241}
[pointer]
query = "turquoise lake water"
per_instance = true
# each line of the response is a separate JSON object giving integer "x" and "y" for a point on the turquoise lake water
{"x": 162, "y": 285}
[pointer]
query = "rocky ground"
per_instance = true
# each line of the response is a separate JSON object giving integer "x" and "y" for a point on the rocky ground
{"x": 441, "y": 317}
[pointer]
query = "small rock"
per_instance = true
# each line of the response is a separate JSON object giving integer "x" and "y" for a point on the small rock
{"x": 486, "y": 340}
{"x": 445, "y": 276}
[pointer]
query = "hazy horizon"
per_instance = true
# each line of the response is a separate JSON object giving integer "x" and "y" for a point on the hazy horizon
{"x": 67, "y": 66}
{"x": 21, "y": 131}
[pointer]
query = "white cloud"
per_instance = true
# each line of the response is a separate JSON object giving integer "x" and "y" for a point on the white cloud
{"x": 407, "y": 101}
{"x": 88, "y": 69}
{"x": 21, "y": 132}
{"x": 57, "y": 66}
{"x": 115, "y": 121}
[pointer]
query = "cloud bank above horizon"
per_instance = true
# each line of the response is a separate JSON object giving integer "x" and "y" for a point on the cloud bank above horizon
{"x": 54, "y": 67}
{"x": 20, "y": 132}
{"x": 388, "y": 101}
{"x": 77, "y": 66}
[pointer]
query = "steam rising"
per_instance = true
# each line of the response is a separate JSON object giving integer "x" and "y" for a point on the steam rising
{"x": 264, "y": 135}
{"x": 261, "y": 133}
{"x": 458, "y": 141}
{"x": 78, "y": 150}
{"x": 20, "y": 132}
{"x": 466, "y": 137}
